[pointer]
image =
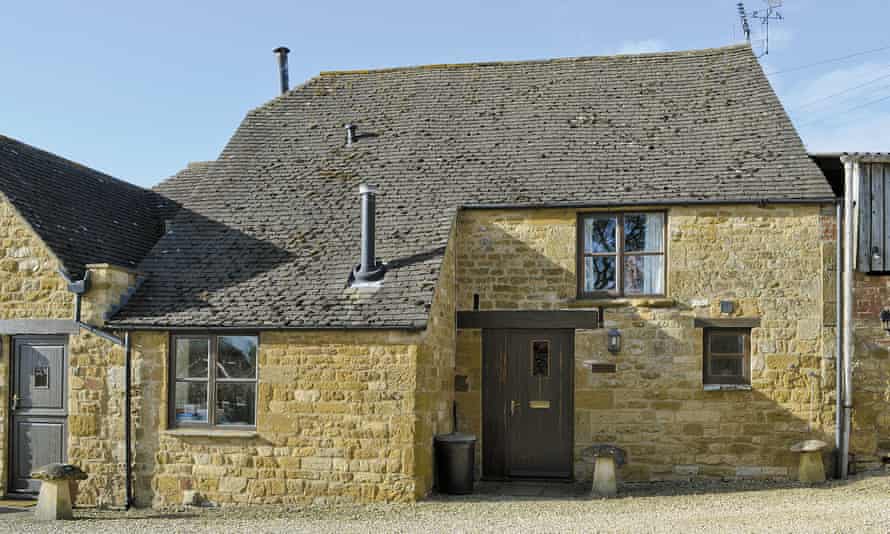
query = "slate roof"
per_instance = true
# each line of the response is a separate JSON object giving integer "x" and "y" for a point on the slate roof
{"x": 83, "y": 215}
{"x": 270, "y": 230}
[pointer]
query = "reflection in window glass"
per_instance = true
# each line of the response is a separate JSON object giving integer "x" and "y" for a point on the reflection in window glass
{"x": 191, "y": 357}
{"x": 643, "y": 275}
{"x": 726, "y": 366}
{"x": 643, "y": 232}
{"x": 599, "y": 234}
{"x": 235, "y": 403}
{"x": 41, "y": 377}
{"x": 540, "y": 358}
{"x": 191, "y": 402}
{"x": 599, "y": 273}
{"x": 237, "y": 357}
{"x": 727, "y": 344}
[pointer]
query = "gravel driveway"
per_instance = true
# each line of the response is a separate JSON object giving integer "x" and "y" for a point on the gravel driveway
{"x": 861, "y": 505}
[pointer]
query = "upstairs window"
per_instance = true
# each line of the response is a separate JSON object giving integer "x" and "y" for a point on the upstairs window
{"x": 621, "y": 254}
{"x": 727, "y": 356}
{"x": 213, "y": 381}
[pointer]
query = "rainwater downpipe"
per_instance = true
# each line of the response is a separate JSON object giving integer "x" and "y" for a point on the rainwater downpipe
{"x": 838, "y": 337}
{"x": 851, "y": 191}
{"x": 80, "y": 287}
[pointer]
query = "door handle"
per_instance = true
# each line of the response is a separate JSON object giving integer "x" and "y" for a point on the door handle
{"x": 513, "y": 405}
{"x": 15, "y": 401}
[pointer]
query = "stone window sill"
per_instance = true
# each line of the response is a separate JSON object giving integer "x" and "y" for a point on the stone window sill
{"x": 210, "y": 433}
{"x": 727, "y": 387}
{"x": 654, "y": 302}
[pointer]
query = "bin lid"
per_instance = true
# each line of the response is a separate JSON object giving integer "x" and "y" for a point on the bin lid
{"x": 456, "y": 437}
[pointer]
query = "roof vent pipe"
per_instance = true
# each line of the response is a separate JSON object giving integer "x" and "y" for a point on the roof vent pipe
{"x": 369, "y": 270}
{"x": 350, "y": 134}
{"x": 282, "y": 52}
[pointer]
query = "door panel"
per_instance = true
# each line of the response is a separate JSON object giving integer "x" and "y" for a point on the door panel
{"x": 528, "y": 403}
{"x": 36, "y": 443}
{"x": 38, "y": 408}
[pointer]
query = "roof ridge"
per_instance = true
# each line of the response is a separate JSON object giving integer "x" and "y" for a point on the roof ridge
{"x": 570, "y": 59}
{"x": 71, "y": 162}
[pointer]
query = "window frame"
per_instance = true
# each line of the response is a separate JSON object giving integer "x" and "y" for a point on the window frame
{"x": 211, "y": 380}
{"x": 620, "y": 254}
{"x": 721, "y": 380}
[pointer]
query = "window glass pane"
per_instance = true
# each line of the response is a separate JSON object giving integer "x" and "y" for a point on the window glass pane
{"x": 599, "y": 273}
{"x": 727, "y": 344}
{"x": 237, "y": 357}
{"x": 540, "y": 358}
{"x": 643, "y": 275}
{"x": 600, "y": 234}
{"x": 726, "y": 367}
{"x": 191, "y": 358}
{"x": 643, "y": 232}
{"x": 235, "y": 403}
{"x": 191, "y": 402}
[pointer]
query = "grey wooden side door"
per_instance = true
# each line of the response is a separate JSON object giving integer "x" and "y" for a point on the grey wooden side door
{"x": 38, "y": 407}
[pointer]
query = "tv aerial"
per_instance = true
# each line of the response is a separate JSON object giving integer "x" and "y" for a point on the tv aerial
{"x": 770, "y": 13}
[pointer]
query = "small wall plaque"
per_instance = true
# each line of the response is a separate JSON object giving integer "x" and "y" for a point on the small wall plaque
{"x": 539, "y": 404}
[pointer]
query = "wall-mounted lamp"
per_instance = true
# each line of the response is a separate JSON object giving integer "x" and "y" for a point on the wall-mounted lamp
{"x": 614, "y": 341}
{"x": 885, "y": 319}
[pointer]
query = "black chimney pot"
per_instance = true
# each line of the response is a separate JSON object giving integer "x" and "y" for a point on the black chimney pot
{"x": 369, "y": 269}
{"x": 282, "y": 52}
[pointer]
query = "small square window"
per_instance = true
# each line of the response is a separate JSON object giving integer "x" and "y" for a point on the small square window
{"x": 727, "y": 356}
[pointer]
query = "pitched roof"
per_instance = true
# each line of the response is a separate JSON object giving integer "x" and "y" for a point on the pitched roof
{"x": 83, "y": 215}
{"x": 271, "y": 229}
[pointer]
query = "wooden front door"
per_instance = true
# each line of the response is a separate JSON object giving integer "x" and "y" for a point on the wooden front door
{"x": 527, "y": 403}
{"x": 38, "y": 408}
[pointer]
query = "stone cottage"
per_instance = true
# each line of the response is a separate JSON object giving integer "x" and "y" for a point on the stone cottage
{"x": 633, "y": 250}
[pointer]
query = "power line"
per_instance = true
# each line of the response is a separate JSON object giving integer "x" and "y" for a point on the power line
{"x": 854, "y": 108}
{"x": 824, "y": 61}
{"x": 844, "y": 91}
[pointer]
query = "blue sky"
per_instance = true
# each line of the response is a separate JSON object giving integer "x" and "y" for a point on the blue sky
{"x": 139, "y": 89}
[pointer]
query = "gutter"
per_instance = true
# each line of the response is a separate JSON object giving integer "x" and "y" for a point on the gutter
{"x": 79, "y": 287}
{"x": 612, "y": 204}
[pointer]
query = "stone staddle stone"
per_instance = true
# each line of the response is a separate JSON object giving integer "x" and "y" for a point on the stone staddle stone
{"x": 54, "y": 500}
{"x": 607, "y": 458}
{"x": 811, "y": 470}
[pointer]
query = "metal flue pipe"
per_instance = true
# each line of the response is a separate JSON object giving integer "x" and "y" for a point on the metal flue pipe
{"x": 282, "y": 52}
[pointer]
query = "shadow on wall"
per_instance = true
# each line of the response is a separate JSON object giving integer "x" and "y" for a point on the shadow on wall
{"x": 655, "y": 405}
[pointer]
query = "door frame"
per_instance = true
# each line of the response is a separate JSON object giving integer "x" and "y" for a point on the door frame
{"x": 14, "y": 342}
{"x": 496, "y": 452}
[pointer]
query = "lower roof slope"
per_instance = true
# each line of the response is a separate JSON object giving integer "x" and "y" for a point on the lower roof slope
{"x": 270, "y": 231}
{"x": 83, "y": 216}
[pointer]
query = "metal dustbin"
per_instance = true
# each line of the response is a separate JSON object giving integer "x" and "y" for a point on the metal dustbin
{"x": 455, "y": 456}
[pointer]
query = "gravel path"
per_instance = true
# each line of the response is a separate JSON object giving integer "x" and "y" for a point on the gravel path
{"x": 862, "y": 505}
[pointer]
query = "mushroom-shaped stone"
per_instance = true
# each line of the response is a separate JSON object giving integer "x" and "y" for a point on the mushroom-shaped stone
{"x": 606, "y": 459}
{"x": 54, "y": 500}
{"x": 811, "y": 469}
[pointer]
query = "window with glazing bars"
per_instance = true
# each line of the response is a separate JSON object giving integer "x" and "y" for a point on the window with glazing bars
{"x": 621, "y": 254}
{"x": 214, "y": 380}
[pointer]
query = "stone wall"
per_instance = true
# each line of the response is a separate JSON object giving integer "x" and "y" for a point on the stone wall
{"x": 30, "y": 286}
{"x": 335, "y": 423}
{"x": 870, "y": 443}
{"x": 435, "y": 375}
{"x": 767, "y": 261}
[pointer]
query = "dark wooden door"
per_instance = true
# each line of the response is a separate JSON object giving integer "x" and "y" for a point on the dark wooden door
{"x": 38, "y": 408}
{"x": 528, "y": 403}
